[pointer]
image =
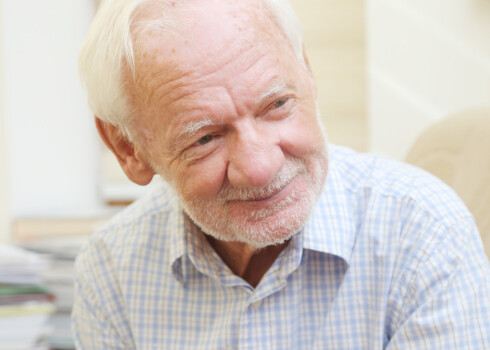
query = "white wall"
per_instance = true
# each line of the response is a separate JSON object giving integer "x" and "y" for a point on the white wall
{"x": 334, "y": 41}
{"x": 52, "y": 150}
{"x": 426, "y": 60}
{"x": 4, "y": 202}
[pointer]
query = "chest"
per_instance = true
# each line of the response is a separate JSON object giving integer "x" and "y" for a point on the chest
{"x": 322, "y": 304}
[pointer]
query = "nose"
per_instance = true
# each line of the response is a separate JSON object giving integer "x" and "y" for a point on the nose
{"x": 254, "y": 158}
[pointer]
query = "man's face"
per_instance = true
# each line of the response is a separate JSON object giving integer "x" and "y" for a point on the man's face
{"x": 227, "y": 116}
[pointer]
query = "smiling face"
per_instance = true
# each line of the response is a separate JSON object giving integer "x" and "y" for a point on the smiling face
{"x": 226, "y": 115}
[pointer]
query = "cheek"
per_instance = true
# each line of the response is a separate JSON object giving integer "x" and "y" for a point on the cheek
{"x": 201, "y": 180}
{"x": 302, "y": 137}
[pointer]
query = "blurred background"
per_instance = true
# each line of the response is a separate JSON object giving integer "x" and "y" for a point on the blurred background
{"x": 386, "y": 71}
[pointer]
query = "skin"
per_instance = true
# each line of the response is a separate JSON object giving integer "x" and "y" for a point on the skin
{"x": 215, "y": 112}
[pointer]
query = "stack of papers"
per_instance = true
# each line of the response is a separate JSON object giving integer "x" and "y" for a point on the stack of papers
{"x": 61, "y": 254}
{"x": 25, "y": 303}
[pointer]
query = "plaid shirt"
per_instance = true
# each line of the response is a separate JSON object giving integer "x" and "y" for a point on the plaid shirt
{"x": 390, "y": 259}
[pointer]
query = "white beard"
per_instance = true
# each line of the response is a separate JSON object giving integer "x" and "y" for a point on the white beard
{"x": 274, "y": 224}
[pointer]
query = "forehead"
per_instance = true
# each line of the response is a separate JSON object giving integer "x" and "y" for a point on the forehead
{"x": 189, "y": 32}
{"x": 237, "y": 42}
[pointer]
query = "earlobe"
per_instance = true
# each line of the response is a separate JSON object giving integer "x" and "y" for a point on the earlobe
{"x": 136, "y": 168}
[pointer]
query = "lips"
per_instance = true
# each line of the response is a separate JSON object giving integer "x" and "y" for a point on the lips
{"x": 268, "y": 196}
{"x": 245, "y": 194}
{"x": 276, "y": 199}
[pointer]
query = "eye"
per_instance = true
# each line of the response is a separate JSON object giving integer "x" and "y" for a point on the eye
{"x": 279, "y": 109}
{"x": 281, "y": 102}
{"x": 205, "y": 139}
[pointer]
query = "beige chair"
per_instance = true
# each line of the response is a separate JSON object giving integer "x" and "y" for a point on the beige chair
{"x": 457, "y": 150}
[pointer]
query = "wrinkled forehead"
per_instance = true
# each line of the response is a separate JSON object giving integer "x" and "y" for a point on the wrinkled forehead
{"x": 198, "y": 23}
{"x": 182, "y": 11}
{"x": 179, "y": 52}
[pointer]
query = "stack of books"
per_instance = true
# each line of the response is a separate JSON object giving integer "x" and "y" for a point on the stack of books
{"x": 25, "y": 302}
{"x": 58, "y": 240}
{"x": 61, "y": 253}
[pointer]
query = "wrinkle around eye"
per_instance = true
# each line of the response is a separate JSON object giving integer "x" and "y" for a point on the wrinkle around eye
{"x": 280, "y": 109}
{"x": 199, "y": 151}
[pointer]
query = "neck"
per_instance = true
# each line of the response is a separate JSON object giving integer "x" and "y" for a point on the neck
{"x": 248, "y": 262}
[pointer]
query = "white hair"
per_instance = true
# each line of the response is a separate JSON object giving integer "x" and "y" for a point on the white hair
{"x": 107, "y": 53}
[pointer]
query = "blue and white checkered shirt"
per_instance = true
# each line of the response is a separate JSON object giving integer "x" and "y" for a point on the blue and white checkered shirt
{"x": 390, "y": 259}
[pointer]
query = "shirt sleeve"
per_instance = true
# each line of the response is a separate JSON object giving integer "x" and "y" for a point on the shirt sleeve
{"x": 445, "y": 303}
{"x": 98, "y": 320}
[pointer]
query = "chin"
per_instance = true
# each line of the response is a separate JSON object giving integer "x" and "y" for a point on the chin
{"x": 257, "y": 233}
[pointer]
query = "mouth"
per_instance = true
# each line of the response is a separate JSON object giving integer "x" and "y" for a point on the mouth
{"x": 267, "y": 199}
{"x": 282, "y": 186}
{"x": 268, "y": 196}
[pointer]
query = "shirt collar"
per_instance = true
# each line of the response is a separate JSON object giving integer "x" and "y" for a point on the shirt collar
{"x": 177, "y": 245}
{"x": 190, "y": 248}
{"x": 331, "y": 227}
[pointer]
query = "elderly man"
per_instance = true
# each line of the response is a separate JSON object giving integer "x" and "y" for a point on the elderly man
{"x": 264, "y": 237}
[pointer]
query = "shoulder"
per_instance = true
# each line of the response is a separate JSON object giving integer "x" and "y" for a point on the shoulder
{"x": 398, "y": 185}
{"x": 150, "y": 221}
{"x": 411, "y": 216}
{"x": 159, "y": 203}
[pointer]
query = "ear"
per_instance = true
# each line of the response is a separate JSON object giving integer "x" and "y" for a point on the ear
{"x": 310, "y": 71}
{"x": 136, "y": 168}
{"x": 307, "y": 61}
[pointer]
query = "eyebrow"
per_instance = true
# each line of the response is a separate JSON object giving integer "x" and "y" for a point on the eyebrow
{"x": 190, "y": 128}
{"x": 274, "y": 89}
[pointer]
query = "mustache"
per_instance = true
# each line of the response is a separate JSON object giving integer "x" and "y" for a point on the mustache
{"x": 291, "y": 169}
